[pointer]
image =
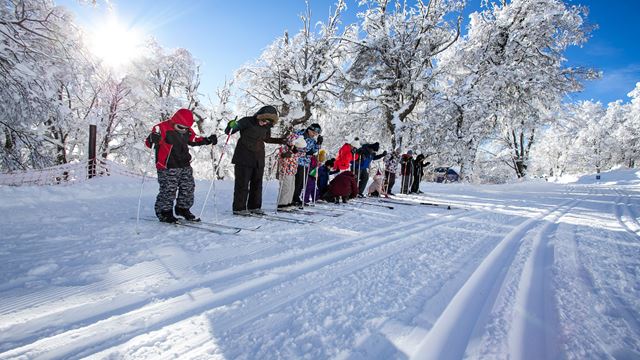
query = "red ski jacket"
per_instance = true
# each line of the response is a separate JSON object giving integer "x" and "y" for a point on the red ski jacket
{"x": 344, "y": 158}
{"x": 172, "y": 151}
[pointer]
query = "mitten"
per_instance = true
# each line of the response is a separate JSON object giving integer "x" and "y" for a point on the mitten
{"x": 213, "y": 139}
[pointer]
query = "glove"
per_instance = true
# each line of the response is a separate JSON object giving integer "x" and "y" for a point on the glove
{"x": 213, "y": 139}
{"x": 354, "y": 150}
{"x": 384, "y": 153}
{"x": 231, "y": 125}
{"x": 155, "y": 138}
{"x": 319, "y": 140}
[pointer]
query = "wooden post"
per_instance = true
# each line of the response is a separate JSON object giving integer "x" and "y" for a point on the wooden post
{"x": 91, "y": 169}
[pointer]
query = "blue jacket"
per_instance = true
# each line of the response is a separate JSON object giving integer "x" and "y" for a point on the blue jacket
{"x": 367, "y": 155}
{"x": 312, "y": 148}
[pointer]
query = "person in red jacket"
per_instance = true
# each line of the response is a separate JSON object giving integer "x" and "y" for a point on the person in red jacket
{"x": 343, "y": 186}
{"x": 171, "y": 139}
{"x": 347, "y": 155}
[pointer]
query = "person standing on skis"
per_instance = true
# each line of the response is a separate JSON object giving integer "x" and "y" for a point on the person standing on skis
{"x": 406, "y": 170}
{"x": 391, "y": 162}
{"x": 248, "y": 158}
{"x": 418, "y": 169}
{"x": 314, "y": 140}
{"x": 367, "y": 154}
{"x": 288, "y": 156}
{"x": 171, "y": 140}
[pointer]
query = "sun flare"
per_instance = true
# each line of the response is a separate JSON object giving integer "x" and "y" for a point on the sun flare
{"x": 116, "y": 44}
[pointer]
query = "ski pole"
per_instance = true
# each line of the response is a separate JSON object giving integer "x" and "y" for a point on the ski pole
{"x": 215, "y": 169}
{"x": 144, "y": 175}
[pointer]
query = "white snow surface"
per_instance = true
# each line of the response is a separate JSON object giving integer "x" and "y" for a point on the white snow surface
{"x": 531, "y": 270}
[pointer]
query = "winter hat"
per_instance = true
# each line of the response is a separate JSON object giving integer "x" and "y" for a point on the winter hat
{"x": 300, "y": 143}
{"x": 375, "y": 146}
{"x": 330, "y": 162}
{"x": 315, "y": 127}
{"x": 183, "y": 117}
{"x": 322, "y": 155}
{"x": 355, "y": 142}
{"x": 268, "y": 113}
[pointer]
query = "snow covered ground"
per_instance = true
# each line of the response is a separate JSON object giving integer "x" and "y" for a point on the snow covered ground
{"x": 533, "y": 270}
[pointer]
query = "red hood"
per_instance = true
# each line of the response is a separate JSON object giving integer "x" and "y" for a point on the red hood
{"x": 183, "y": 117}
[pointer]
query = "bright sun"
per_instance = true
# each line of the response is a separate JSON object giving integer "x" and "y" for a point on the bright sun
{"x": 115, "y": 43}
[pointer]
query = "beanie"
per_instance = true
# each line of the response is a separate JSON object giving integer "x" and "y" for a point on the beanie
{"x": 375, "y": 146}
{"x": 315, "y": 127}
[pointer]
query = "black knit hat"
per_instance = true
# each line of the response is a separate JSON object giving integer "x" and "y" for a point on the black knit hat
{"x": 315, "y": 127}
{"x": 375, "y": 146}
{"x": 268, "y": 113}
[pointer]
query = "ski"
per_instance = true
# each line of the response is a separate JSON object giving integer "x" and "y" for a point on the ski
{"x": 314, "y": 212}
{"x": 403, "y": 202}
{"x": 239, "y": 228}
{"x": 284, "y": 218}
{"x": 372, "y": 204}
{"x": 194, "y": 225}
{"x": 326, "y": 207}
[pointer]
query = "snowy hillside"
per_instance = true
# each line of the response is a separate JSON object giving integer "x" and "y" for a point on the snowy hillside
{"x": 530, "y": 270}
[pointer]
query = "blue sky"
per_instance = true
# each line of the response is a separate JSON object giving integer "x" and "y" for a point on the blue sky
{"x": 223, "y": 34}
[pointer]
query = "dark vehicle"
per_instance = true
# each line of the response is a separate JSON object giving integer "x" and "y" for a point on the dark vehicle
{"x": 445, "y": 174}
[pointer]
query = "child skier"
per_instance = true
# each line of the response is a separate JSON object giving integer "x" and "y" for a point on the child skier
{"x": 288, "y": 156}
{"x": 171, "y": 140}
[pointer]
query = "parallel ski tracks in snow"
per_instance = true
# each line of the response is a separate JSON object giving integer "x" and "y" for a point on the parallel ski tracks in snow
{"x": 472, "y": 306}
{"x": 191, "y": 298}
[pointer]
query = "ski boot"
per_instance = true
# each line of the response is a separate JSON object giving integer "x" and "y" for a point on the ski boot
{"x": 167, "y": 217}
{"x": 186, "y": 214}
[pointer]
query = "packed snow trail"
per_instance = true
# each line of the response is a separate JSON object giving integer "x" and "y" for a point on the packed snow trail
{"x": 531, "y": 270}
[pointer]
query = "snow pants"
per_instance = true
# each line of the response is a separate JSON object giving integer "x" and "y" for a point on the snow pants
{"x": 301, "y": 176}
{"x": 178, "y": 180}
{"x": 390, "y": 181}
{"x": 247, "y": 188}
{"x": 363, "y": 179}
{"x": 287, "y": 186}
{"x": 405, "y": 185}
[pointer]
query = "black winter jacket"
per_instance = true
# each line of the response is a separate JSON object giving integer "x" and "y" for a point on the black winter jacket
{"x": 249, "y": 150}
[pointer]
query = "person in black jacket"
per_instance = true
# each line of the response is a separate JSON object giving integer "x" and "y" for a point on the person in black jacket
{"x": 406, "y": 170}
{"x": 248, "y": 158}
{"x": 418, "y": 168}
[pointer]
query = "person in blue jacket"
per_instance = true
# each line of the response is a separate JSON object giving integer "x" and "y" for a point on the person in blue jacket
{"x": 367, "y": 155}
{"x": 314, "y": 140}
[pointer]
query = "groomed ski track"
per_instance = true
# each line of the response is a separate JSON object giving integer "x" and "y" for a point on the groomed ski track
{"x": 539, "y": 272}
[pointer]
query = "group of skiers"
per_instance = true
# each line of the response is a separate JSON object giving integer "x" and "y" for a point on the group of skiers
{"x": 304, "y": 171}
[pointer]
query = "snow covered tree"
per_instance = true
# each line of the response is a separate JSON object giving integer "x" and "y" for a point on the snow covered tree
{"x": 525, "y": 42}
{"x": 295, "y": 73}
{"x": 41, "y": 65}
{"x": 628, "y": 132}
{"x": 392, "y": 70}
